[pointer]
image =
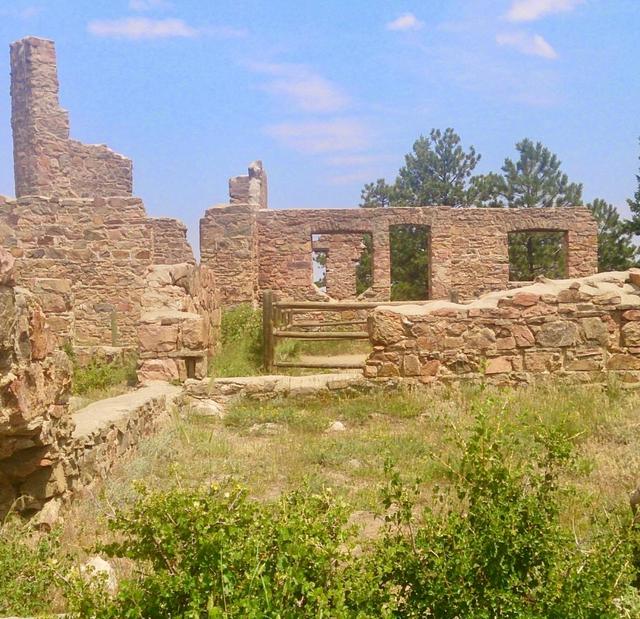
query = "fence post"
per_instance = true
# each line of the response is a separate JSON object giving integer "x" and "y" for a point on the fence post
{"x": 267, "y": 329}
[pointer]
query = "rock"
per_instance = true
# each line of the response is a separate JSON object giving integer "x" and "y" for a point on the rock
{"x": 207, "y": 408}
{"x": 97, "y": 566}
{"x": 411, "y": 365}
{"x": 558, "y": 333}
{"x": 498, "y": 365}
{"x": 267, "y": 429}
{"x": 595, "y": 329}
{"x": 7, "y": 262}
{"x": 336, "y": 426}
{"x": 157, "y": 338}
{"x": 387, "y": 328}
{"x": 525, "y": 299}
{"x": 158, "y": 369}
{"x": 49, "y": 515}
{"x": 631, "y": 334}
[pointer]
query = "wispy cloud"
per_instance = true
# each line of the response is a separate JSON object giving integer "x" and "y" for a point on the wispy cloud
{"x": 529, "y": 44}
{"x": 141, "y": 28}
{"x": 149, "y": 5}
{"x": 302, "y": 87}
{"x": 25, "y": 13}
{"x": 358, "y": 160}
{"x": 406, "y": 21}
{"x": 531, "y": 10}
{"x": 137, "y": 28}
{"x": 313, "y": 137}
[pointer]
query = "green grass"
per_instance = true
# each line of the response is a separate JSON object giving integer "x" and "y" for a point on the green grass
{"x": 241, "y": 346}
{"x": 100, "y": 379}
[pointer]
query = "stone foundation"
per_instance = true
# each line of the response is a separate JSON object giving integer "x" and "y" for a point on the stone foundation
{"x": 585, "y": 330}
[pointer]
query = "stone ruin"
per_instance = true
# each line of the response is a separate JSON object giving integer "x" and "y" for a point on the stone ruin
{"x": 82, "y": 264}
{"x": 251, "y": 248}
{"x": 86, "y": 247}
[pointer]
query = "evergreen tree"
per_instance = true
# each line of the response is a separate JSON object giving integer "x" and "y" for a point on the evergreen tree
{"x": 616, "y": 251}
{"x": 633, "y": 226}
{"x": 534, "y": 180}
{"x": 436, "y": 172}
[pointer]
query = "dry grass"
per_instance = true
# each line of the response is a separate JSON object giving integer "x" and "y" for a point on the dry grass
{"x": 277, "y": 445}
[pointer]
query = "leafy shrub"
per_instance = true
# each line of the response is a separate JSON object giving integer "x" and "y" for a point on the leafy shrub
{"x": 492, "y": 545}
{"x": 28, "y": 564}
{"x": 99, "y": 375}
{"x": 216, "y": 554}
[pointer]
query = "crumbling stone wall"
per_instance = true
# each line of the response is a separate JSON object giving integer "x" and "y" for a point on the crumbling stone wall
{"x": 229, "y": 247}
{"x": 46, "y": 161}
{"x": 92, "y": 255}
{"x": 250, "y": 189}
{"x": 251, "y": 250}
{"x": 87, "y": 261}
{"x": 170, "y": 241}
{"x": 342, "y": 253}
{"x": 581, "y": 330}
{"x": 180, "y": 323}
{"x": 35, "y": 427}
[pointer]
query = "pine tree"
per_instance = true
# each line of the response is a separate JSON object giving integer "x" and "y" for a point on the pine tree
{"x": 534, "y": 180}
{"x": 616, "y": 251}
{"x": 436, "y": 172}
{"x": 633, "y": 226}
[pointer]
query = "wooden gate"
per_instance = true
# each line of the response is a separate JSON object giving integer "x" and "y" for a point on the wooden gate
{"x": 281, "y": 320}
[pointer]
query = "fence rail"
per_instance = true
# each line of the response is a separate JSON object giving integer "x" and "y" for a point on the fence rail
{"x": 278, "y": 323}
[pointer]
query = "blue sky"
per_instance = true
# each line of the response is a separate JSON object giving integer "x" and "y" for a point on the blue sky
{"x": 332, "y": 93}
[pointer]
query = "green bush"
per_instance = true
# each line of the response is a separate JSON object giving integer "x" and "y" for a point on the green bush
{"x": 491, "y": 543}
{"x": 28, "y": 565}
{"x": 216, "y": 554}
{"x": 100, "y": 375}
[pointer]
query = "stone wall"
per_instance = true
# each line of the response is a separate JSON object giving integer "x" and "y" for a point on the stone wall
{"x": 180, "y": 323}
{"x": 35, "y": 427}
{"x": 228, "y": 246}
{"x": 582, "y": 330}
{"x": 46, "y": 161}
{"x": 170, "y": 245}
{"x": 251, "y": 250}
{"x": 342, "y": 252}
{"x": 91, "y": 255}
{"x": 87, "y": 261}
{"x": 250, "y": 189}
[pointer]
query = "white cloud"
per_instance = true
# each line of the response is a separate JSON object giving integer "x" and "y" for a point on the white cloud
{"x": 149, "y": 5}
{"x": 529, "y": 44}
{"x": 303, "y": 87}
{"x": 358, "y": 160}
{"x": 406, "y": 21}
{"x": 141, "y": 28}
{"x": 530, "y": 10}
{"x": 337, "y": 135}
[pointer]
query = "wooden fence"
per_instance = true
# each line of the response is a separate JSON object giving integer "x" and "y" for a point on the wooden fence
{"x": 279, "y": 321}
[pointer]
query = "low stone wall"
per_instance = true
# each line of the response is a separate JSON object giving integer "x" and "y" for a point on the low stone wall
{"x": 106, "y": 430}
{"x": 221, "y": 390}
{"x": 580, "y": 330}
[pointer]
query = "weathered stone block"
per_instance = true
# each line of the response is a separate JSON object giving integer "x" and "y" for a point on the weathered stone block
{"x": 558, "y": 334}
